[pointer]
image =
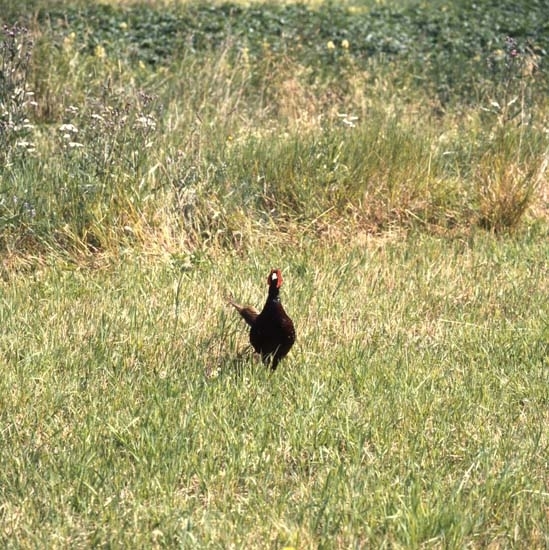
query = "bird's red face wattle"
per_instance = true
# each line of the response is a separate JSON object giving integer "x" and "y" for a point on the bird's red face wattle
{"x": 275, "y": 278}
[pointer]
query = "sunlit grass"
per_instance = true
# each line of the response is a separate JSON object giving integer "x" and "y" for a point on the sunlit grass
{"x": 412, "y": 408}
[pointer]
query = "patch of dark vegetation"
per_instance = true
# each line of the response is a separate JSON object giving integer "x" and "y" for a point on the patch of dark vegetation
{"x": 448, "y": 45}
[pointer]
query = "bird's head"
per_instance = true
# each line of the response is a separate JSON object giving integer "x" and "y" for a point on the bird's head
{"x": 274, "y": 280}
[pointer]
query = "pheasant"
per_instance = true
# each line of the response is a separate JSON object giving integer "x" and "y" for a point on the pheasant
{"x": 272, "y": 332}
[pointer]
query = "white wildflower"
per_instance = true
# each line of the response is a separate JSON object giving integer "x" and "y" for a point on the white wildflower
{"x": 24, "y": 144}
{"x": 348, "y": 120}
{"x": 68, "y": 128}
{"x": 145, "y": 122}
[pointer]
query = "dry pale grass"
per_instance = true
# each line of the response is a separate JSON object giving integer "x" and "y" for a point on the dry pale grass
{"x": 508, "y": 188}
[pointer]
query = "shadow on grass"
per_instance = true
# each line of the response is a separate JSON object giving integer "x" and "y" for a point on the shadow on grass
{"x": 235, "y": 364}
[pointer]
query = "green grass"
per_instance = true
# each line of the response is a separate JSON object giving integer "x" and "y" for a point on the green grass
{"x": 412, "y": 411}
{"x": 390, "y": 159}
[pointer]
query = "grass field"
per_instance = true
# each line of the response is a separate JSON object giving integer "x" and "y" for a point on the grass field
{"x": 392, "y": 161}
{"x": 412, "y": 411}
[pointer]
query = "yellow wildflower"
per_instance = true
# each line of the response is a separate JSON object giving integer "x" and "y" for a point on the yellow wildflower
{"x": 68, "y": 41}
{"x": 100, "y": 52}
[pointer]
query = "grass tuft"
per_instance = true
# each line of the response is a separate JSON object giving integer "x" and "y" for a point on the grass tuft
{"x": 509, "y": 181}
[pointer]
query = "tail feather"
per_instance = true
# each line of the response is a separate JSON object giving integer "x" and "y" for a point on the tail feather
{"x": 248, "y": 313}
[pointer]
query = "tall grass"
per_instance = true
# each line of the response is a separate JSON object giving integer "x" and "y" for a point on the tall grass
{"x": 111, "y": 150}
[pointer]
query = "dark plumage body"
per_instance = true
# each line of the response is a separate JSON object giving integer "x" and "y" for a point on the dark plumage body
{"x": 272, "y": 332}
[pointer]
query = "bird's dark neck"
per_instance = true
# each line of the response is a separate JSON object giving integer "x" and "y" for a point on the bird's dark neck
{"x": 273, "y": 295}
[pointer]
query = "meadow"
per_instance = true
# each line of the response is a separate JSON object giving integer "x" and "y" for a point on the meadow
{"x": 390, "y": 157}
